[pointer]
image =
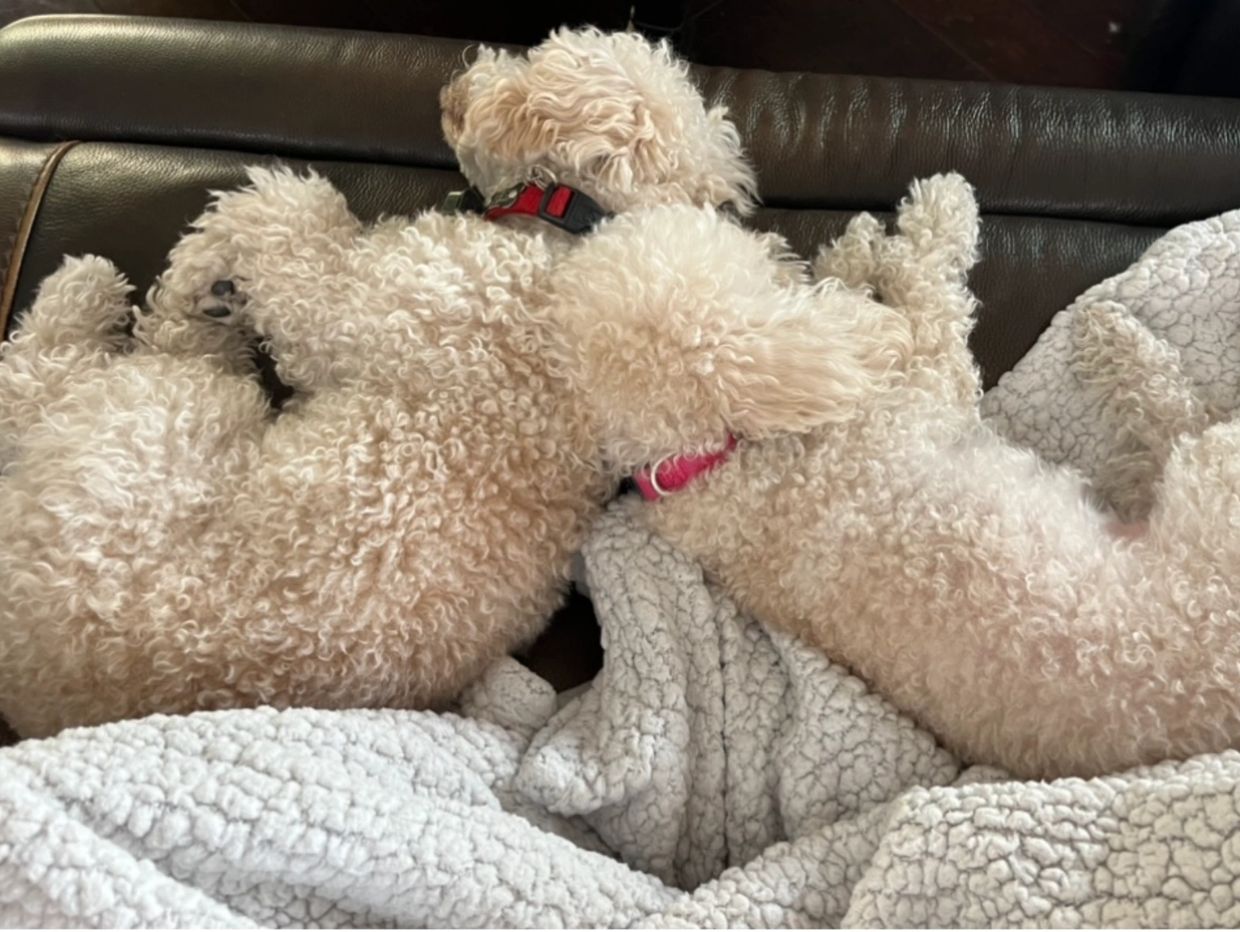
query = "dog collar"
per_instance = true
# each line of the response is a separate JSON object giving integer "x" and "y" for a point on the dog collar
{"x": 559, "y": 205}
{"x": 673, "y": 473}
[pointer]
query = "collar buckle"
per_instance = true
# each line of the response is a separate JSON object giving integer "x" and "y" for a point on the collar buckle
{"x": 570, "y": 210}
{"x": 468, "y": 201}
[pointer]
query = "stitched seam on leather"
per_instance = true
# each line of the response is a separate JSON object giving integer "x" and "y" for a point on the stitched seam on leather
{"x": 25, "y": 227}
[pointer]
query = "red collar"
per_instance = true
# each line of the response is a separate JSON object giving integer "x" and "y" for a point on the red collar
{"x": 673, "y": 473}
{"x": 558, "y": 205}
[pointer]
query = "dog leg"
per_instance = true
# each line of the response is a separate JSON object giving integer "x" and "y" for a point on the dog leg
{"x": 923, "y": 271}
{"x": 852, "y": 259}
{"x": 83, "y": 304}
{"x": 255, "y": 265}
{"x": 77, "y": 321}
{"x": 1138, "y": 377}
{"x": 207, "y": 326}
{"x": 1197, "y": 511}
{"x": 939, "y": 220}
{"x": 1191, "y": 554}
{"x": 1148, "y": 401}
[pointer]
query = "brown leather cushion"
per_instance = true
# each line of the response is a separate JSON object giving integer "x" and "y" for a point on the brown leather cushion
{"x": 1073, "y": 184}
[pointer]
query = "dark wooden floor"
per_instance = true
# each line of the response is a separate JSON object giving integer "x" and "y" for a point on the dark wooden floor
{"x": 1066, "y": 42}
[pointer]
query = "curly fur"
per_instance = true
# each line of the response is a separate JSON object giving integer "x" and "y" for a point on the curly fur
{"x": 607, "y": 113}
{"x": 973, "y": 584}
{"x": 173, "y": 544}
{"x": 1148, "y": 400}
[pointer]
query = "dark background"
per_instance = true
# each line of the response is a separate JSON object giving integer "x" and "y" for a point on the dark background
{"x": 1177, "y": 46}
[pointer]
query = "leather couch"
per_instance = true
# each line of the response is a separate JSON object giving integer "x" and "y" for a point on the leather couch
{"x": 114, "y": 129}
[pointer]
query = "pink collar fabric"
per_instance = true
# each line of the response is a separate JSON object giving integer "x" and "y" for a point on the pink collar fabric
{"x": 673, "y": 473}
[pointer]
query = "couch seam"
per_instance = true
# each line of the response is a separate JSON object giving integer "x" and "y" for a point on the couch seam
{"x": 25, "y": 227}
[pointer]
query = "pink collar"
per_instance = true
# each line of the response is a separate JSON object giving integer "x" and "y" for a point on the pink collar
{"x": 673, "y": 473}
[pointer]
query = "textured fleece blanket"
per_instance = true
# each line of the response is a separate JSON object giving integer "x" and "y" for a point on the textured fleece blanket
{"x": 1186, "y": 290}
{"x": 714, "y": 774}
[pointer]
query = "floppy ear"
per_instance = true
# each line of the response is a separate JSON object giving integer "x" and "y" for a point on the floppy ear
{"x": 607, "y": 126}
{"x": 577, "y": 105}
{"x": 503, "y": 121}
{"x": 806, "y": 365}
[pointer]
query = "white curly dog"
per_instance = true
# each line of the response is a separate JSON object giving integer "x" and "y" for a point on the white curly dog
{"x": 974, "y": 585}
{"x": 171, "y": 544}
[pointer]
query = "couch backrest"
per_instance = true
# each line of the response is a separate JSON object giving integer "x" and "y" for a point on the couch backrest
{"x": 113, "y": 129}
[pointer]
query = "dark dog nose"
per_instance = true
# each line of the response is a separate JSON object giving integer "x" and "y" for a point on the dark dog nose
{"x": 223, "y": 288}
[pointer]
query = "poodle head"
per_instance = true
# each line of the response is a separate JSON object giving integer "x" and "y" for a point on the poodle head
{"x": 711, "y": 337}
{"x": 609, "y": 113}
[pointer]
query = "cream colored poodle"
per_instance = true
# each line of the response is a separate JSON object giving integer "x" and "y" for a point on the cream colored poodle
{"x": 172, "y": 543}
{"x": 869, "y": 510}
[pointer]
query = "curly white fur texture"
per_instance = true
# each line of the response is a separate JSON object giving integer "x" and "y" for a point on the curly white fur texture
{"x": 410, "y": 515}
{"x": 971, "y": 583}
{"x": 604, "y": 112}
{"x": 1148, "y": 402}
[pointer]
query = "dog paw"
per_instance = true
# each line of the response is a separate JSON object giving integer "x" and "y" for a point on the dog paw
{"x": 852, "y": 258}
{"x": 196, "y": 312}
{"x": 222, "y": 301}
{"x": 85, "y": 301}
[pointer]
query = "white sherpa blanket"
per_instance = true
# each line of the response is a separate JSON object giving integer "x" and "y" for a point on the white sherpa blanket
{"x": 1186, "y": 290}
{"x": 712, "y": 775}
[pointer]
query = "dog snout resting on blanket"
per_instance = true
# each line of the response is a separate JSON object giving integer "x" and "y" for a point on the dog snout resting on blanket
{"x": 410, "y": 515}
{"x": 869, "y": 510}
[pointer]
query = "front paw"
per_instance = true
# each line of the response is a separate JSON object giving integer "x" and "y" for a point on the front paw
{"x": 223, "y": 300}
{"x": 208, "y": 298}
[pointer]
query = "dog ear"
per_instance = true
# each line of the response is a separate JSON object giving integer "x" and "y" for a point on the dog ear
{"x": 606, "y": 125}
{"x": 627, "y": 114}
{"x": 573, "y": 100}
